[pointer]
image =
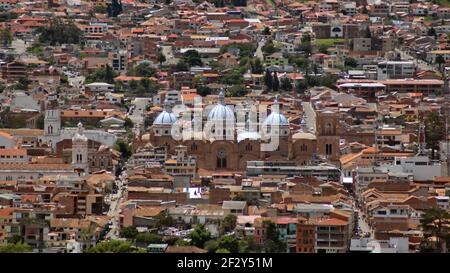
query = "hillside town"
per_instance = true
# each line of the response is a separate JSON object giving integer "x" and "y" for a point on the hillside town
{"x": 224, "y": 126}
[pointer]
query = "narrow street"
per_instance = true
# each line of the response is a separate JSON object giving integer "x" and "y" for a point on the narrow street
{"x": 259, "y": 52}
{"x": 114, "y": 209}
{"x": 136, "y": 113}
{"x": 420, "y": 64}
{"x": 363, "y": 225}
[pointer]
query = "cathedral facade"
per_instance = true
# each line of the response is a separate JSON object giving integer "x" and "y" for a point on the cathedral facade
{"x": 230, "y": 148}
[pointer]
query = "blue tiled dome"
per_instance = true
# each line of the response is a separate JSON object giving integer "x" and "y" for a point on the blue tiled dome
{"x": 275, "y": 118}
{"x": 221, "y": 111}
{"x": 166, "y": 117}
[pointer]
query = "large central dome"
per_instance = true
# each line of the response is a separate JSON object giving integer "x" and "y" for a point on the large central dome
{"x": 221, "y": 112}
{"x": 276, "y": 118}
{"x": 166, "y": 117}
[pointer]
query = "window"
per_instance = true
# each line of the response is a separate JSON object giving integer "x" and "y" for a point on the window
{"x": 328, "y": 149}
{"x": 328, "y": 130}
{"x": 221, "y": 159}
{"x": 303, "y": 148}
{"x": 194, "y": 147}
{"x": 248, "y": 147}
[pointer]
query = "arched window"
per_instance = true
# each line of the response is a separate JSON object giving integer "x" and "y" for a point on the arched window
{"x": 194, "y": 146}
{"x": 303, "y": 148}
{"x": 328, "y": 149}
{"x": 221, "y": 159}
{"x": 328, "y": 129}
{"x": 248, "y": 147}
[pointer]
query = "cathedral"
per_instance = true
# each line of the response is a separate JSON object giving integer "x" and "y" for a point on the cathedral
{"x": 230, "y": 147}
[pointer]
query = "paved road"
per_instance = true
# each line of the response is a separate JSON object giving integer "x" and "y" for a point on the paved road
{"x": 114, "y": 209}
{"x": 136, "y": 113}
{"x": 420, "y": 64}
{"x": 19, "y": 46}
{"x": 310, "y": 116}
{"x": 168, "y": 53}
{"x": 259, "y": 52}
{"x": 362, "y": 224}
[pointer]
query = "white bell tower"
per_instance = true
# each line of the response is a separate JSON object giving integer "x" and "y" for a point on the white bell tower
{"x": 52, "y": 122}
{"x": 80, "y": 150}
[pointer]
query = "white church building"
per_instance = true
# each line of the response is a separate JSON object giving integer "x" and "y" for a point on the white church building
{"x": 53, "y": 133}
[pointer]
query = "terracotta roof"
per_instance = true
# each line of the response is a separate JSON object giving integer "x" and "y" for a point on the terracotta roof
{"x": 332, "y": 222}
{"x": 13, "y": 152}
{"x": 6, "y": 212}
{"x": 39, "y": 166}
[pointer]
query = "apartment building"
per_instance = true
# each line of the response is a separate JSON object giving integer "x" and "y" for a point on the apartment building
{"x": 395, "y": 70}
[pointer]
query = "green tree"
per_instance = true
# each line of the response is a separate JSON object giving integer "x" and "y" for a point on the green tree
{"x": 199, "y": 236}
{"x": 100, "y": 9}
{"x": 149, "y": 238}
{"x": 436, "y": 222}
{"x": 440, "y": 61}
{"x": 222, "y": 250}
{"x": 15, "y": 248}
{"x": 286, "y": 84}
{"x": 110, "y": 74}
{"x": 6, "y": 37}
{"x": 323, "y": 49}
{"x": 228, "y": 223}
{"x": 133, "y": 85}
{"x": 15, "y": 239}
{"x": 211, "y": 246}
{"x": 182, "y": 65}
{"x": 275, "y": 82}
{"x": 60, "y": 32}
{"x": 161, "y": 58}
{"x": 124, "y": 148}
{"x": 301, "y": 86}
{"x": 248, "y": 245}
{"x": 181, "y": 242}
{"x": 431, "y": 32}
{"x": 257, "y": 66}
{"x": 106, "y": 74}
{"x": 164, "y": 220}
{"x": 113, "y": 246}
{"x": 128, "y": 123}
{"x": 350, "y": 62}
{"x": 245, "y": 49}
{"x": 434, "y": 131}
{"x": 7, "y": 16}
{"x": 237, "y": 91}
{"x": 266, "y": 31}
{"x": 203, "y": 90}
{"x": 269, "y": 47}
{"x": 114, "y": 8}
{"x": 129, "y": 232}
{"x": 192, "y": 58}
{"x": 23, "y": 83}
{"x": 229, "y": 243}
{"x": 272, "y": 243}
{"x": 147, "y": 86}
{"x": 40, "y": 122}
{"x": 142, "y": 70}
{"x": 233, "y": 77}
{"x": 268, "y": 80}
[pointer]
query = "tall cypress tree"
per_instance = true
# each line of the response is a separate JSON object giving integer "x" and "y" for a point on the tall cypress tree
{"x": 275, "y": 82}
{"x": 268, "y": 80}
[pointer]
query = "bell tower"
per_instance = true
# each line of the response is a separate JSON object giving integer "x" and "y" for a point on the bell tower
{"x": 327, "y": 124}
{"x": 80, "y": 151}
{"x": 52, "y": 122}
